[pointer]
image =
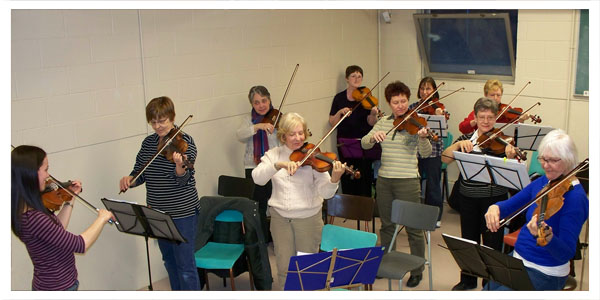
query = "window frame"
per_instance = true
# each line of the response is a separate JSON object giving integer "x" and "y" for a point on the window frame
{"x": 453, "y": 75}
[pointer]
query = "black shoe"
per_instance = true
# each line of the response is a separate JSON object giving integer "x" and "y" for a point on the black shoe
{"x": 461, "y": 286}
{"x": 414, "y": 280}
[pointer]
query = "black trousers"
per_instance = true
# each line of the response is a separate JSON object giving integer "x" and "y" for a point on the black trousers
{"x": 262, "y": 193}
{"x": 363, "y": 185}
{"x": 473, "y": 227}
{"x": 431, "y": 169}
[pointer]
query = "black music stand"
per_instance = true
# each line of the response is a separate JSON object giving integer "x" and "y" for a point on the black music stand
{"x": 526, "y": 136}
{"x": 437, "y": 123}
{"x": 487, "y": 263}
{"x": 334, "y": 269}
{"x": 142, "y": 220}
{"x": 494, "y": 170}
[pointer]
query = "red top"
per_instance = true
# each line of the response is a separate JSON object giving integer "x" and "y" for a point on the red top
{"x": 465, "y": 125}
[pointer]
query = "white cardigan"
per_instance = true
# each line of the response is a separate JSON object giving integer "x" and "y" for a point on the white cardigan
{"x": 298, "y": 196}
{"x": 245, "y": 134}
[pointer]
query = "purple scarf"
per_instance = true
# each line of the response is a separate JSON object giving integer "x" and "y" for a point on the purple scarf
{"x": 260, "y": 140}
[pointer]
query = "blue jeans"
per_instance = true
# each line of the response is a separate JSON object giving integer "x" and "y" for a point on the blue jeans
{"x": 179, "y": 259}
{"x": 539, "y": 280}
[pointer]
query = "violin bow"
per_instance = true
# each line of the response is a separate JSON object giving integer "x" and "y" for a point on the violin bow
{"x": 371, "y": 92}
{"x": 507, "y": 124}
{"x": 285, "y": 93}
{"x": 435, "y": 102}
{"x": 60, "y": 185}
{"x": 576, "y": 170}
{"x": 513, "y": 100}
{"x": 416, "y": 108}
{"x": 167, "y": 143}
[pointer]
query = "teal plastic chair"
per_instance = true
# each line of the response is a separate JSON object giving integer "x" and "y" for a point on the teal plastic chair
{"x": 534, "y": 166}
{"x": 222, "y": 256}
{"x": 345, "y": 238}
{"x": 447, "y": 141}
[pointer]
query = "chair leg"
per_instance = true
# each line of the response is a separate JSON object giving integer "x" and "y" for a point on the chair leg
{"x": 231, "y": 278}
{"x": 206, "y": 280}
{"x": 400, "y": 284}
{"x": 389, "y": 284}
{"x": 250, "y": 275}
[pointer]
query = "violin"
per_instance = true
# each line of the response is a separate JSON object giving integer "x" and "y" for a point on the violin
{"x": 312, "y": 156}
{"x": 412, "y": 123}
{"x": 434, "y": 104}
{"x": 177, "y": 144}
{"x": 55, "y": 195}
{"x": 273, "y": 115}
{"x": 367, "y": 100}
{"x": 495, "y": 141}
{"x": 554, "y": 199}
{"x": 165, "y": 142}
{"x": 512, "y": 113}
{"x": 548, "y": 205}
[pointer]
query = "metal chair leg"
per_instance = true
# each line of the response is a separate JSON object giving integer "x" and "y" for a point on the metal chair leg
{"x": 232, "y": 281}
{"x": 206, "y": 279}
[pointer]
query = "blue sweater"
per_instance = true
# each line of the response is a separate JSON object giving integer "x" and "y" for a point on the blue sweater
{"x": 566, "y": 224}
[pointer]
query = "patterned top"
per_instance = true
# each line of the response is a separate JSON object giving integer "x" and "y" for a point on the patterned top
{"x": 437, "y": 147}
{"x": 475, "y": 189}
{"x": 399, "y": 150}
{"x": 165, "y": 191}
{"x": 51, "y": 249}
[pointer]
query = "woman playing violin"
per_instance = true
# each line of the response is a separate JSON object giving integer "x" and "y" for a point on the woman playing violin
{"x": 547, "y": 266}
{"x": 298, "y": 192}
{"x": 355, "y": 126}
{"x": 170, "y": 187}
{"x": 259, "y": 137}
{"x": 51, "y": 247}
{"x": 432, "y": 164}
{"x": 492, "y": 89}
{"x": 475, "y": 197}
{"x": 398, "y": 176}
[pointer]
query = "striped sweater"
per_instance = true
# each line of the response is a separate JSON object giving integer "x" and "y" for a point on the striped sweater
{"x": 165, "y": 191}
{"x": 399, "y": 150}
{"x": 51, "y": 249}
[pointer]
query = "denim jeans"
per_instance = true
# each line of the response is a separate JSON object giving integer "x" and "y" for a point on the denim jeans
{"x": 179, "y": 259}
{"x": 539, "y": 280}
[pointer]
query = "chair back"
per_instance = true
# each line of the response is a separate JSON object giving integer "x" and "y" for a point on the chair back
{"x": 414, "y": 215}
{"x": 534, "y": 165}
{"x": 351, "y": 207}
{"x": 447, "y": 141}
{"x": 230, "y": 186}
{"x": 345, "y": 238}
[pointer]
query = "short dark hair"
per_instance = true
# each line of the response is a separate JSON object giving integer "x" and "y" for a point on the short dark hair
{"x": 353, "y": 68}
{"x": 396, "y": 88}
{"x": 485, "y": 103}
{"x": 160, "y": 107}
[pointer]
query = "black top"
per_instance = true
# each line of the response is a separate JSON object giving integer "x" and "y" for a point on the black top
{"x": 354, "y": 126}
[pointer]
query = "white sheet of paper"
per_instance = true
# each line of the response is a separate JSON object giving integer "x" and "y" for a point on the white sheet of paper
{"x": 509, "y": 173}
{"x": 528, "y": 136}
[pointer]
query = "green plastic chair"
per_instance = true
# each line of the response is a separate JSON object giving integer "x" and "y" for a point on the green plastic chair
{"x": 222, "y": 256}
{"x": 534, "y": 165}
{"x": 345, "y": 238}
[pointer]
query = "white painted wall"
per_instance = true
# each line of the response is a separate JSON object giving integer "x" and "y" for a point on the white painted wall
{"x": 81, "y": 80}
{"x": 546, "y": 52}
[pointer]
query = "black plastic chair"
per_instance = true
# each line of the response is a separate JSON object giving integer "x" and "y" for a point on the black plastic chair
{"x": 359, "y": 208}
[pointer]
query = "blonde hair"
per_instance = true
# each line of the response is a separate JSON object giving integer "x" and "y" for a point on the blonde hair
{"x": 288, "y": 122}
{"x": 492, "y": 84}
{"x": 560, "y": 144}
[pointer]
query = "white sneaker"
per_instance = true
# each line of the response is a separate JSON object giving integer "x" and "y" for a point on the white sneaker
{"x": 438, "y": 224}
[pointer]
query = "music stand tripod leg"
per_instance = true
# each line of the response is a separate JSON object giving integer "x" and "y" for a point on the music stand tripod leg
{"x": 148, "y": 258}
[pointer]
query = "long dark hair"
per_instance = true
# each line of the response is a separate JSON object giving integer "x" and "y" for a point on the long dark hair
{"x": 25, "y": 186}
{"x": 433, "y": 85}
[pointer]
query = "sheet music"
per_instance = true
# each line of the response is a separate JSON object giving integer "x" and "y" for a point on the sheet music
{"x": 508, "y": 173}
{"x": 437, "y": 123}
{"x": 527, "y": 136}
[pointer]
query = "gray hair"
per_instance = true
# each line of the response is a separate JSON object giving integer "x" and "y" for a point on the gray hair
{"x": 485, "y": 103}
{"x": 559, "y": 143}
{"x": 258, "y": 89}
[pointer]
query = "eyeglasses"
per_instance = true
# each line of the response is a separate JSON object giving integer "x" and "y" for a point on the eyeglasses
{"x": 552, "y": 161}
{"x": 160, "y": 122}
{"x": 486, "y": 118}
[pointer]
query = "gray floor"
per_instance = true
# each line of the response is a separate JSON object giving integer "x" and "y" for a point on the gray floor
{"x": 445, "y": 271}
